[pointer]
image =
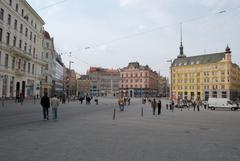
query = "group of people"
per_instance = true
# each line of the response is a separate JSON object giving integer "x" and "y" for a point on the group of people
{"x": 123, "y": 101}
{"x": 46, "y": 102}
{"x": 155, "y": 104}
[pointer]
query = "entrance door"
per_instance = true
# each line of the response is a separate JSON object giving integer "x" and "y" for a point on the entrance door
{"x": 17, "y": 89}
{"x": 23, "y": 88}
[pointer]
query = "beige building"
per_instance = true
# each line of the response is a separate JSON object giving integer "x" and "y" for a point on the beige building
{"x": 103, "y": 81}
{"x": 70, "y": 82}
{"x": 83, "y": 85}
{"x": 21, "y": 62}
{"x": 137, "y": 81}
{"x": 204, "y": 76}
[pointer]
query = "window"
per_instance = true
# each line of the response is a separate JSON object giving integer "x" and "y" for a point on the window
{"x": 16, "y": 7}
{"x": 30, "y": 49}
{"x": 46, "y": 55}
{"x": 31, "y": 35}
{"x": 15, "y": 24}
{"x": 13, "y": 62}
{"x": 26, "y": 32}
{"x": 21, "y": 28}
{"x": 2, "y": 14}
{"x": 224, "y": 94}
{"x": 14, "y": 40}
{"x": 29, "y": 66}
{"x": 34, "y": 38}
{"x": 8, "y": 38}
{"x": 46, "y": 67}
{"x": 25, "y": 46}
{"x": 19, "y": 63}
{"x": 34, "y": 50}
{"x": 1, "y": 31}
{"x": 24, "y": 66}
{"x": 32, "y": 68}
{"x": 6, "y": 61}
{"x": 20, "y": 44}
{"x": 10, "y": 2}
{"x": 22, "y": 12}
{"x": 47, "y": 44}
{"x": 9, "y": 19}
{"x": 31, "y": 22}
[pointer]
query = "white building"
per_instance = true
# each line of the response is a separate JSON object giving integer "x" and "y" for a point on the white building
{"x": 21, "y": 61}
{"x": 48, "y": 54}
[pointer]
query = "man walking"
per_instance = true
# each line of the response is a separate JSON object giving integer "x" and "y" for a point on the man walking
{"x": 54, "y": 104}
{"x": 45, "y": 104}
{"x": 154, "y": 105}
{"x": 159, "y": 107}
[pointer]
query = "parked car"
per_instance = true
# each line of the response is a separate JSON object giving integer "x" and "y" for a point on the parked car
{"x": 221, "y": 103}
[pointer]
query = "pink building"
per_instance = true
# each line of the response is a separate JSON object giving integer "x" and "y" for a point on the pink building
{"x": 137, "y": 81}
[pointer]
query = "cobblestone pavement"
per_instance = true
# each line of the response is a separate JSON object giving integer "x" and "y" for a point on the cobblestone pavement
{"x": 89, "y": 133}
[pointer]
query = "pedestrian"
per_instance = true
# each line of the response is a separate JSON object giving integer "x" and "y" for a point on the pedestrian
{"x": 172, "y": 105}
{"x": 45, "y": 102}
{"x": 54, "y": 104}
{"x": 21, "y": 98}
{"x": 129, "y": 100}
{"x": 194, "y": 105}
{"x": 154, "y": 105}
{"x": 121, "y": 103}
{"x": 159, "y": 104}
{"x": 167, "y": 106}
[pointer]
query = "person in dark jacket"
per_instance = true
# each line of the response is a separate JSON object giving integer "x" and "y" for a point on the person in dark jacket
{"x": 45, "y": 102}
{"x": 159, "y": 105}
{"x": 154, "y": 104}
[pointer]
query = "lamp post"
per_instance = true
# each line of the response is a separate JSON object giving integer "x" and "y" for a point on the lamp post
{"x": 170, "y": 61}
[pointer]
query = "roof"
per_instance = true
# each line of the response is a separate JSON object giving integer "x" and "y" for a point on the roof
{"x": 84, "y": 77}
{"x": 200, "y": 59}
{"x": 47, "y": 35}
{"x": 136, "y": 65}
{"x": 99, "y": 69}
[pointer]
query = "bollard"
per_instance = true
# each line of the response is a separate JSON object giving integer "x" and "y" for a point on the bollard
{"x": 3, "y": 102}
{"x": 142, "y": 112}
{"x": 114, "y": 113}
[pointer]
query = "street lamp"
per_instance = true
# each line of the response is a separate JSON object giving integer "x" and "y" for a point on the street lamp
{"x": 170, "y": 61}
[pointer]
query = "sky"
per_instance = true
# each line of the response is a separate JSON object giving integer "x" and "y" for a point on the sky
{"x": 112, "y": 33}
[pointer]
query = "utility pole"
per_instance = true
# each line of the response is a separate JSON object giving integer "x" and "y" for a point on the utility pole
{"x": 170, "y": 61}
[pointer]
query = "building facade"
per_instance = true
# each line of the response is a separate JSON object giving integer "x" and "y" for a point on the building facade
{"x": 204, "y": 76}
{"x": 163, "y": 86}
{"x": 103, "y": 82}
{"x": 83, "y": 85}
{"x": 48, "y": 54}
{"x": 70, "y": 82}
{"x": 57, "y": 80}
{"x": 21, "y": 63}
{"x": 138, "y": 81}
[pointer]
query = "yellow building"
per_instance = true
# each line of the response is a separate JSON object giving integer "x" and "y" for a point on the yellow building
{"x": 204, "y": 76}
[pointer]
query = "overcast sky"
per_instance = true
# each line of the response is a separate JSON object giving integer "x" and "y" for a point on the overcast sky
{"x": 111, "y": 33}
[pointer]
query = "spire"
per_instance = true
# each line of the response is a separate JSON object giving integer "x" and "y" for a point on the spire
{"x": 228, "y": 50}
{"x": 181, "y": 54}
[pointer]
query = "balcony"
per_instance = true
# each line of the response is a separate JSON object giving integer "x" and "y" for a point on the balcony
{"x": 18, "y": 52}
{"x": 19, "y": 72}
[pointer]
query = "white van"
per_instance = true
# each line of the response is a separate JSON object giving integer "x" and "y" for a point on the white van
{"x": 221, "y": 103}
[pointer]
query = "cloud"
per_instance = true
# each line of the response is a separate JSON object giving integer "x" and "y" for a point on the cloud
{"x": 127, "y": 2}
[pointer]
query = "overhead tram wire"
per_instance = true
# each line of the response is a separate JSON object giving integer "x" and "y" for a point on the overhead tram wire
{"x": 52, "y": 5}
{"x": 163, "y": 27}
